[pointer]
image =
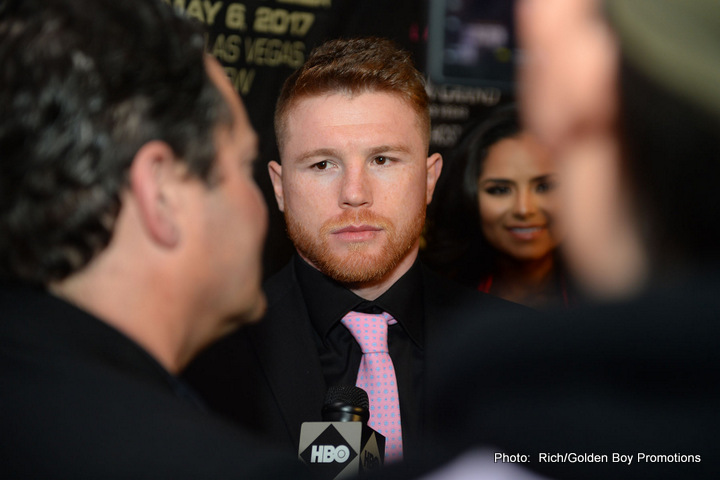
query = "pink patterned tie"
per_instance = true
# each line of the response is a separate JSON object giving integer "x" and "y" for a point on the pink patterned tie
{"x": 377, "y": 377}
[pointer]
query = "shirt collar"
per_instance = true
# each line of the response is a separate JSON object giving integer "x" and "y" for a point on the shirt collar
{"x": 60, "y": 325}
{"x": 328, "y": 301}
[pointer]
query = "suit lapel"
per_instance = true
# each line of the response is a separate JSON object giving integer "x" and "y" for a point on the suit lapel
{"x": 442, "y": 300}
{"x": 288, "y": 356}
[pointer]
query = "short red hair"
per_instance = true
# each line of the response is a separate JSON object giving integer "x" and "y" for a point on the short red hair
{"x": 352, "y": 67}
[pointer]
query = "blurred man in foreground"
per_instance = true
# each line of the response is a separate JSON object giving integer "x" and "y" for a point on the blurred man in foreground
{"x": 625, "y": 93}
{"x": 131, "y": 236}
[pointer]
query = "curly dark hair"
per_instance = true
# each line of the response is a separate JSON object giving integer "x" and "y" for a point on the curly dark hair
{"x": 83, "y": 85}
{"x": 456, "y": 246}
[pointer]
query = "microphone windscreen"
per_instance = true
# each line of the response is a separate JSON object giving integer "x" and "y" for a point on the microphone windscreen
{"x": 346, "y": 403}
{"x": 347, "y": 395}
{"x": 342, "y": 443}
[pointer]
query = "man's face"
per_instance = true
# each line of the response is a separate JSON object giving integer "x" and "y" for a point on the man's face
{"x": 354, "y": 184}
{"x": 233, "y": 219}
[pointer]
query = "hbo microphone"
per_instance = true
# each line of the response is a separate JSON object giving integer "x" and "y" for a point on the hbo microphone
{"x": 342, "y": 444}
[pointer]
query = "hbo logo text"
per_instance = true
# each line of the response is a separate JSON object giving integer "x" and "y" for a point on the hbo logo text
{"x": 329, "y": 453}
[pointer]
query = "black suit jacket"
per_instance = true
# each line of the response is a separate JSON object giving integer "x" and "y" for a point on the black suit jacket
{"x": 268, "y": 378}
{"x": 641, "y": 376}
{"x": 80, "y": 400}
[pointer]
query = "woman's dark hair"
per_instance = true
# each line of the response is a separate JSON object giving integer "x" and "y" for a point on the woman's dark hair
{"x": 83, "y": 85}
{"x": 671, "y": 151}
{"x": 455, "y": 244}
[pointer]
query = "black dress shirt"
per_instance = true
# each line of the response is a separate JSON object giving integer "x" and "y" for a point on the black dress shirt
{"x": 82, "y": 400}
{"x": 327, "y": 302}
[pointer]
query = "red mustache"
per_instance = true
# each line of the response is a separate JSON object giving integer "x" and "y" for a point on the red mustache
{"x": 349, "y": 219}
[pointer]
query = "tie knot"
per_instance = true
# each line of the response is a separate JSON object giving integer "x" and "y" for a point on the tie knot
{"x": 369, "y": 330}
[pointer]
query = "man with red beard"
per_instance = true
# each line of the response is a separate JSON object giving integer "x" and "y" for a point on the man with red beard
{"x": 353, "y": 130}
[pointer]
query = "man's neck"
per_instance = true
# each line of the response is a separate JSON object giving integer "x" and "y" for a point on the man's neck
{"x": 125, "y": 309}
{"x": 374, "y": 289}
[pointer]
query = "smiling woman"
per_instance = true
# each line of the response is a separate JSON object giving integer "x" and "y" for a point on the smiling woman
{"x": 492, "y": 224}
{"x": 516, "y": 199}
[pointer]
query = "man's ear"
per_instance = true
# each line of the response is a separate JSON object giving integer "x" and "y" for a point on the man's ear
{"x": 154, "y": 177}
{"x": 434, "y": 167}
{"x": 275, "y": 170}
